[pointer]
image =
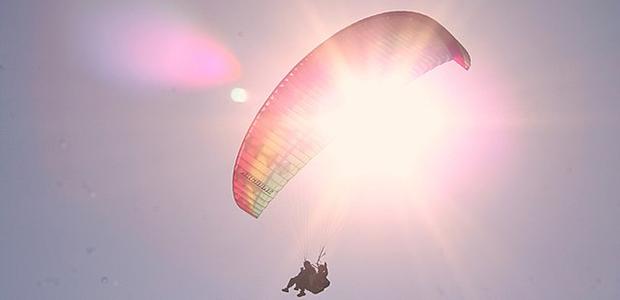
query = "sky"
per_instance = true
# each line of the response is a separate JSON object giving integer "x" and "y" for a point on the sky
{"x": 116, "y": 156}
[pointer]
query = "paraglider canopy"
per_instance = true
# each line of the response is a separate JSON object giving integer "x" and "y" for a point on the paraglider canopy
{"x": 302, "y": 115}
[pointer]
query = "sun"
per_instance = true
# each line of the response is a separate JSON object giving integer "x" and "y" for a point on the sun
{"x": 385, "y": 141}
{"x": 387, "y": 127}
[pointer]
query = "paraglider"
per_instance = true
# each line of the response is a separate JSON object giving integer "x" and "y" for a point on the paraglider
{"x": 289, "y": 129}
{"x": 303, "y": 113}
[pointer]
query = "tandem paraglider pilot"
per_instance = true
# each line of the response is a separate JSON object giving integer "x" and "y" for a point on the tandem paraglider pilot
{"x": 309, "y": 279}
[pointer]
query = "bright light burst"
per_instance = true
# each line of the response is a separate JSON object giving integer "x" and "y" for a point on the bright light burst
{"x": 417, "y": 136}
{"x": 388, "y": 124}
{"x": 238, "y": 95}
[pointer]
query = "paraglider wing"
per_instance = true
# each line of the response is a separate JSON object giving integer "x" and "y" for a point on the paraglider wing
{"x": 289, "y": 129}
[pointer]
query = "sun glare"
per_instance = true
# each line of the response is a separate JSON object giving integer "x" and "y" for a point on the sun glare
{"x": 383, "y": 140}
{"x": 387, "y": 125}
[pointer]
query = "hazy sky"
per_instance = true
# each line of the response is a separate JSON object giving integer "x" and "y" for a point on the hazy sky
{"x": 116, "y": 156}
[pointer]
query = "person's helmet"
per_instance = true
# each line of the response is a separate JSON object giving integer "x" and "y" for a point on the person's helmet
{"x": 307, "y": 264}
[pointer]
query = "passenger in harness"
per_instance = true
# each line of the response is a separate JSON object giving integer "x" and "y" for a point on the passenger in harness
{"x": 309, "y": 278}
{"x": 302, "y": 280}
{"x": 319, "y": 282}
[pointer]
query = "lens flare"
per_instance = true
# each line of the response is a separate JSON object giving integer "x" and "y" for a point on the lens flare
{"x": 238, "y": 95}
{"x": 159, "y": 49}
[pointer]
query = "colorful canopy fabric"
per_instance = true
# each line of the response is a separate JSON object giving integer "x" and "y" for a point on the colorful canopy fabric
{"x": 288, "y": 131}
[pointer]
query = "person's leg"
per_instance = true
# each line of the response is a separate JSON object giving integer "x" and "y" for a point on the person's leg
{"x": 291, "y": 283}
{"x": 302, "y": 284}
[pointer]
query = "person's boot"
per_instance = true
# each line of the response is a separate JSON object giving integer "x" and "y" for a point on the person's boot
{"x": 285, "y": 290}
{"x": 301, "y": 294}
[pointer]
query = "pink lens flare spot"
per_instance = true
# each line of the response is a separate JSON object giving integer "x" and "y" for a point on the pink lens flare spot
{"x": 156, "y": 49}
